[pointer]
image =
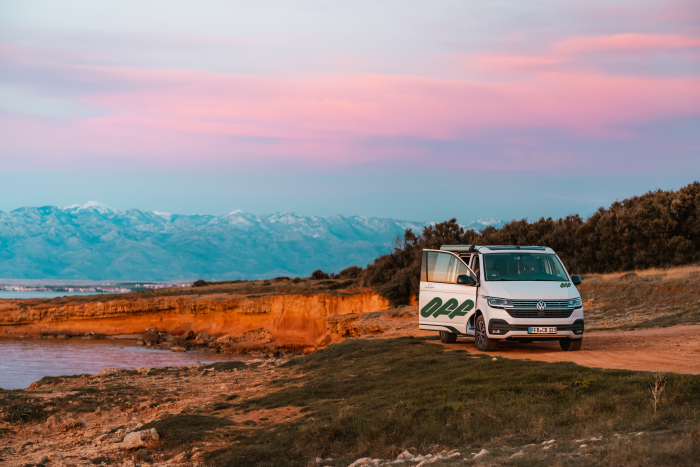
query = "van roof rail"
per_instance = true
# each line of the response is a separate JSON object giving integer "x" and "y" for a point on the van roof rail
{"x": 459, "y": 247}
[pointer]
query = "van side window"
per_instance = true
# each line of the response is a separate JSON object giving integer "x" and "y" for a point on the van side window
{"x": 444, "y": 267}
{"x": 424, "y": 267}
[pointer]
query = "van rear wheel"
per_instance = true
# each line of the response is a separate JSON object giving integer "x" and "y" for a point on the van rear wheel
{"x": 569, "y": 345}
{"x": 447, "y": 337}
{"x": 483, "y": 342}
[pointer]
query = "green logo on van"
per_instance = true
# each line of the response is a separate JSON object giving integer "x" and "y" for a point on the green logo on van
{"x": 451, "y": 308}
{"x": 564, "y": 285}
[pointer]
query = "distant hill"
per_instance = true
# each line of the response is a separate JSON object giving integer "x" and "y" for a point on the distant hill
{"x": 96, "y": 242}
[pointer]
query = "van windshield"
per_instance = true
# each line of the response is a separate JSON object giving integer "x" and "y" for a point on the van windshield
{"x": 523, "y": 267}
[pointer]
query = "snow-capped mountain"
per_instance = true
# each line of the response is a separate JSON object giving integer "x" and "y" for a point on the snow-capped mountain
{"x": 481, "y": 224}
{"x": 93, "y": 241}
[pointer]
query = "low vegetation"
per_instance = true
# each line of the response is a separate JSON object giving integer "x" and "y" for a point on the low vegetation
{"x": 656, "y": 230}
{"x": 639, "y": 299}
{"x": 378, "y": 397}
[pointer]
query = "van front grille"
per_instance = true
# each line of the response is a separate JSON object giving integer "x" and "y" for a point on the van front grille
{"x": 539, "y": 314}
{"x": 532, "y": 304}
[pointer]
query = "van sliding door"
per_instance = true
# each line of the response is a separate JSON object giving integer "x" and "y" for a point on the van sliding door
{"x": 443, "y": 304}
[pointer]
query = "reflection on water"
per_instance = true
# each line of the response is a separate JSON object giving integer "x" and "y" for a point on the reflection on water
{"x": 12, "y": 295}
{"x": 23, "y": 361}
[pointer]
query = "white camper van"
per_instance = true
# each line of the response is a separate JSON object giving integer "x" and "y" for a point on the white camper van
{"x": 500, "y": 293}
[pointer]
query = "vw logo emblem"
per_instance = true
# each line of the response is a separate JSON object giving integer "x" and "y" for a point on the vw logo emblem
{"x": 541, "y": 306}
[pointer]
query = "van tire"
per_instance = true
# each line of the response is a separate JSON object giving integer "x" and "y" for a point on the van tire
{"x": 447, "y": 337}
{"x": 569, "y": 345}
{"x": 483, "y": 342}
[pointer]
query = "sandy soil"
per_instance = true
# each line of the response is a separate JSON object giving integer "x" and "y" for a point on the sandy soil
{"x": 674, "y": 349}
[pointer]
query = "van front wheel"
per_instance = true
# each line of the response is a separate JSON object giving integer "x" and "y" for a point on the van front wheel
{"x": 448, "y": 337}
{"x": 568, "y": 345}
{"x": 483, "y": 342}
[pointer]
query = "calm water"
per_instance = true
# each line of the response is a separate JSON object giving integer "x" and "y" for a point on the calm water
{"x": 23, "y": 361}
{"x": 10, "y": 294}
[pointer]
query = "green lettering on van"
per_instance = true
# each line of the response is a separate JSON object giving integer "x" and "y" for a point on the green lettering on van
{"x": 462, "y": 310}
{"x": 565, "y": 284}
{"x": 447, "y": 308}
{"x": 432, "y": 306}
{"x": 451, "y": 308}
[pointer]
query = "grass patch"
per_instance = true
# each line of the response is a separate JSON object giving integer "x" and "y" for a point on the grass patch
{"x": 377, "y": 397}
{"x": 181, "y": 430}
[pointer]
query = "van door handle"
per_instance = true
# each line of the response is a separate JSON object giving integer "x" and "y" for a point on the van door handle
{"x": 429, "y": 286}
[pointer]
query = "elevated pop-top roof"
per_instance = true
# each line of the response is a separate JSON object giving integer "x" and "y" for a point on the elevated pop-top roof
{"x": 464, "y": 248}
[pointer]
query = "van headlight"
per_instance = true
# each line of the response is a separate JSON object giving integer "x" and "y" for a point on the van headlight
{"x": 499, "y": 302}
{"x": 575, "y": 303}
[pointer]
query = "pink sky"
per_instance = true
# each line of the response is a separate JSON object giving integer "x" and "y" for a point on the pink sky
{"x": 449, "y": 85}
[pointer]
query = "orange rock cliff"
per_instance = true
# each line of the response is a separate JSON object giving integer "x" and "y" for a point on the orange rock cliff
{"x": 298, "y": 319}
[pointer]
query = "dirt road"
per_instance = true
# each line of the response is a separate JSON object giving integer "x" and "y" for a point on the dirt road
{"x": 674, "y": 349}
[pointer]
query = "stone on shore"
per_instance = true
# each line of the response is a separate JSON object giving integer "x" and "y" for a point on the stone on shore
{"x": 139, "y": 439}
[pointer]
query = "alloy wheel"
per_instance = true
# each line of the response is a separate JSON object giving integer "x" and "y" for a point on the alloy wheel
{"x": 480, "y": 334}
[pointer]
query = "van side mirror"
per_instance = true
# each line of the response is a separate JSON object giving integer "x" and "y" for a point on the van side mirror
{"x": 576, "y": 279}
{"x": 465, "y": 279}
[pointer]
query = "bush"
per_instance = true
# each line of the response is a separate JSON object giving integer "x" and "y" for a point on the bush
{"x": 350, "y": 273}
{"x": 199, "y": 283}
{"x": 318, "y": 275}
{"x": 658, "y": 229}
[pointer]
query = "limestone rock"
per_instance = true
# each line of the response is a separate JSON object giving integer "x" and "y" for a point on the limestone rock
{"x": 202, "y": 338}
{"x": 53, "y": 421}
{"x": 406, "y": 455}
{"x": 224, "y": 340}
{"x": 70, "y": 424}
{"x": 365, "y": 461}
{"x": 189, "y": 335}
{"x": 150, "y": 336}
{"x": 139, "y": 439}
{"x": 177, "y": 348}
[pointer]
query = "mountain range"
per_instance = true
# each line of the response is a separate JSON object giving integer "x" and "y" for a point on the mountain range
{"x": 95, "y": 242}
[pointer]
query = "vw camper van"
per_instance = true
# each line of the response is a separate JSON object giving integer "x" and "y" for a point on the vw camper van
{"x": 500, "y": 293}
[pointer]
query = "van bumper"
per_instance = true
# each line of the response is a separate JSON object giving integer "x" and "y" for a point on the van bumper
{"x": 500, "y": 328}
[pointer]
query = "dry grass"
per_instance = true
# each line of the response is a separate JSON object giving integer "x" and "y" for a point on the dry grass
{"x": 645, "y": 298}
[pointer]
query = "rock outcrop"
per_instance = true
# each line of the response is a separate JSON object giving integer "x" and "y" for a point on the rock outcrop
{"x": 296, "y": 319}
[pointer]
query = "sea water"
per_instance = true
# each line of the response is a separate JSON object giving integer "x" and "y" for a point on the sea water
{"x": 23, "y": 361}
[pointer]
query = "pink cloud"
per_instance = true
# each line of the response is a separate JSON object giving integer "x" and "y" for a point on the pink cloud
{"x": 626, "y": 42}
{"x": 167, "y": 116}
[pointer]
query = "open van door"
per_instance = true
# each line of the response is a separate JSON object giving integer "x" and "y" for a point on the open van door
{"x": 447, "y": 293}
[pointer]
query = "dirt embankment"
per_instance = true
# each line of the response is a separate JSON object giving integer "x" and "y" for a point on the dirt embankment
{"x": 298, "y": 319}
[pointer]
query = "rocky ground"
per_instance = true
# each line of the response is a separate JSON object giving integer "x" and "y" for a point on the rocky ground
{"x": 103, "y": 419}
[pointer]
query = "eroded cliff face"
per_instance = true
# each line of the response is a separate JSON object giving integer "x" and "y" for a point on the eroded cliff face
{"x": 298, "y": 319}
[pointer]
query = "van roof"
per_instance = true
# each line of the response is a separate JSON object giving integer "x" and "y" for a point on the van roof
{"x": 483, "y": 248}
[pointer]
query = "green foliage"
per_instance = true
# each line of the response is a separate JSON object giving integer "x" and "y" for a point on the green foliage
{"x": 318, "y": 275}
{"x": 658, "y": 229}
{"x": 199, "y": 283}
{"x": 377, "y": 397}
{"x": 350, "y": 273}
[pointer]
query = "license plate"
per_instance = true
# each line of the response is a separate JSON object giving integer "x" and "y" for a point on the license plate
{"x": 537, "y": 330}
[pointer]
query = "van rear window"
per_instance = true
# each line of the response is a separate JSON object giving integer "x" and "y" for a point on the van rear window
{"x": 523, "y": 267}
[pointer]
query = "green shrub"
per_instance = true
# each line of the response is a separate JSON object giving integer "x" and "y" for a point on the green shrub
{"x": 657, "y": 229}
{"x": 318, "y": 275}
{"x": 350, "y": 273}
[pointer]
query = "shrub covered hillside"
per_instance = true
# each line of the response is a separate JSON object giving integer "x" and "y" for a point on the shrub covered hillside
{"x": 658, "y": 229}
